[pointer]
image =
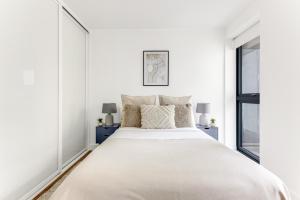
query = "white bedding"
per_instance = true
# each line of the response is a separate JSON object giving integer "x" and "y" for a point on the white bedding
{"x": 160, "y": 134}
{"x": 172, "y": 164}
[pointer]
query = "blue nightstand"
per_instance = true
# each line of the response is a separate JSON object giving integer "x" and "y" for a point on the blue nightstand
{"x": 103, "y": 132}
{"x": 211, "y": 131}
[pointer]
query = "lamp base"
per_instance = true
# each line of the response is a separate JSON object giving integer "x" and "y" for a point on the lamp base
{"x": 109, "y": 120}
{"x": 203, "y": 120}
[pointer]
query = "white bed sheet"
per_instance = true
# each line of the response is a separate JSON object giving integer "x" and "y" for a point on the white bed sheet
{"x": 160, "y": 134}
{"x": 173, "y": 164}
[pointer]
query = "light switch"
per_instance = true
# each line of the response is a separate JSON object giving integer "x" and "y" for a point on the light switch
{"x": 28, "y": 77}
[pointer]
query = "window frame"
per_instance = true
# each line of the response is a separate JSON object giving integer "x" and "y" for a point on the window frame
{"x": 250, "y": 98}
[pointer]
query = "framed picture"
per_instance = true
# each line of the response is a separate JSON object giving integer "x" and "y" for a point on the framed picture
{"x": 155, "y": 68}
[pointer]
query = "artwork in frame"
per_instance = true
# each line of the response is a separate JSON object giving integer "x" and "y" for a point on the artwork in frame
{"x": 156, "y": 68}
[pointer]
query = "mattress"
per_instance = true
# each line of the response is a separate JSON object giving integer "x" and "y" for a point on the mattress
{"x": 170, "y": 164}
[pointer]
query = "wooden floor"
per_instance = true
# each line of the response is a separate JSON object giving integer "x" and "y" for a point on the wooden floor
{"x": 48, "y": 191}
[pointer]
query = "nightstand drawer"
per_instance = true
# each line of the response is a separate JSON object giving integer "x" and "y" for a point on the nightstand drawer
{"x": 211, "y": 131}
{"x": 106, "y": 130}
{"x": 103, "y": 132}
{"x": 101, "y": 138}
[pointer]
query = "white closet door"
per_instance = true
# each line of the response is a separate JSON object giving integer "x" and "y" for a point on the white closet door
{"x": 74, "y": 134}
{"x": 28, "y": 95}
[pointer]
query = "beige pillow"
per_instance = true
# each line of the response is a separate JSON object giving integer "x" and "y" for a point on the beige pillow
{"x": 184, "y": 116}
{"x": 158, "y": 117}
{"x": 131, "y": 116}
{"x": 138, "y": 100}
{"x": 168, "y": 100}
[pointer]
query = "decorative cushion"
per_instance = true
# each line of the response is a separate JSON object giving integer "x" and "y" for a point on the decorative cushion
{"x": 131, "y": 116}
{"x": 158, "y": 117}
{"x": 138, "y": 100}
{"x": 184, "y": 116}
{"x": 168, "y": 100}
{"x": 184, "y": 100}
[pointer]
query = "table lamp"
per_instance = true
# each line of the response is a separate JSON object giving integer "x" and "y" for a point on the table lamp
{"x": 109, "y": 108}
{"x": 204, "y": 109}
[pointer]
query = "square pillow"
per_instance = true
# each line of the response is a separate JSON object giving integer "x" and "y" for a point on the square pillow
{"x": 168, "y": 100}
{"x": 131, "y": 116}
{"x": 184, "y": 116}
{"x": 158, "y": 117}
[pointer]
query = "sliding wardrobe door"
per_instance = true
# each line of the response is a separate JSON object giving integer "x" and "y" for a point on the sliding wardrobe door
{"x": 74, "y": 134}
{"x": 29, "y": 74}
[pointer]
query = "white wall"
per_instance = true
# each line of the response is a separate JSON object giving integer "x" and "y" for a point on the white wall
{"x": 28, "y": 95}
{"x": 246, "y": 19}
{"x": 280, "y": 94}
{"x": 196, "y": 67}
{"x": 230, "y": 95}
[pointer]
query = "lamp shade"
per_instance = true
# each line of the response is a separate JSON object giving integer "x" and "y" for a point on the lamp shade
{"x": 203, "y": 108}
{"x": 109, "y": 108}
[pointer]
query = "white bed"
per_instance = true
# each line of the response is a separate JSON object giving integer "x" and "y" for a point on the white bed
{"x": 170, "y": 164}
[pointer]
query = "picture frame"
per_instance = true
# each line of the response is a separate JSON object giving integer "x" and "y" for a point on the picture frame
{"x": 156, "y": 68}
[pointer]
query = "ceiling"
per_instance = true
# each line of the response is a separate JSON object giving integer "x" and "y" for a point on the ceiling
{"x": 156, "y": 14}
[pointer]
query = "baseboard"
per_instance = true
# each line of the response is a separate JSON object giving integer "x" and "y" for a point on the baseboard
{"x": 40, "y": 186}
{"x": 52, "y": 178}
{"x": 73, "y": 159}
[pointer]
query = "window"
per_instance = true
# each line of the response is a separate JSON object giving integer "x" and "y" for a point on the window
{"x": 248, "y": 63}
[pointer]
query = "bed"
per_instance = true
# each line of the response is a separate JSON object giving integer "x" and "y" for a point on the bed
{"x": 168, "y": 164}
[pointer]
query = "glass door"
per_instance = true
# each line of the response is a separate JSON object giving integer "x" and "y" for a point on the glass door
{"x": 248, "y": 65}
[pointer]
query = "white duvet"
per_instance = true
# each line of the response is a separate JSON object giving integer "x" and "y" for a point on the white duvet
{"x": 176, "y": 164}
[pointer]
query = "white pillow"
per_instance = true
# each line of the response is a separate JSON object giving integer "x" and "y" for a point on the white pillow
{"x": 158, "y": 117}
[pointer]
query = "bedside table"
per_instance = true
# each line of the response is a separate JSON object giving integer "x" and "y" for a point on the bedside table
{"x": 103, "y": 132}
{"x": 211, "y": 131}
